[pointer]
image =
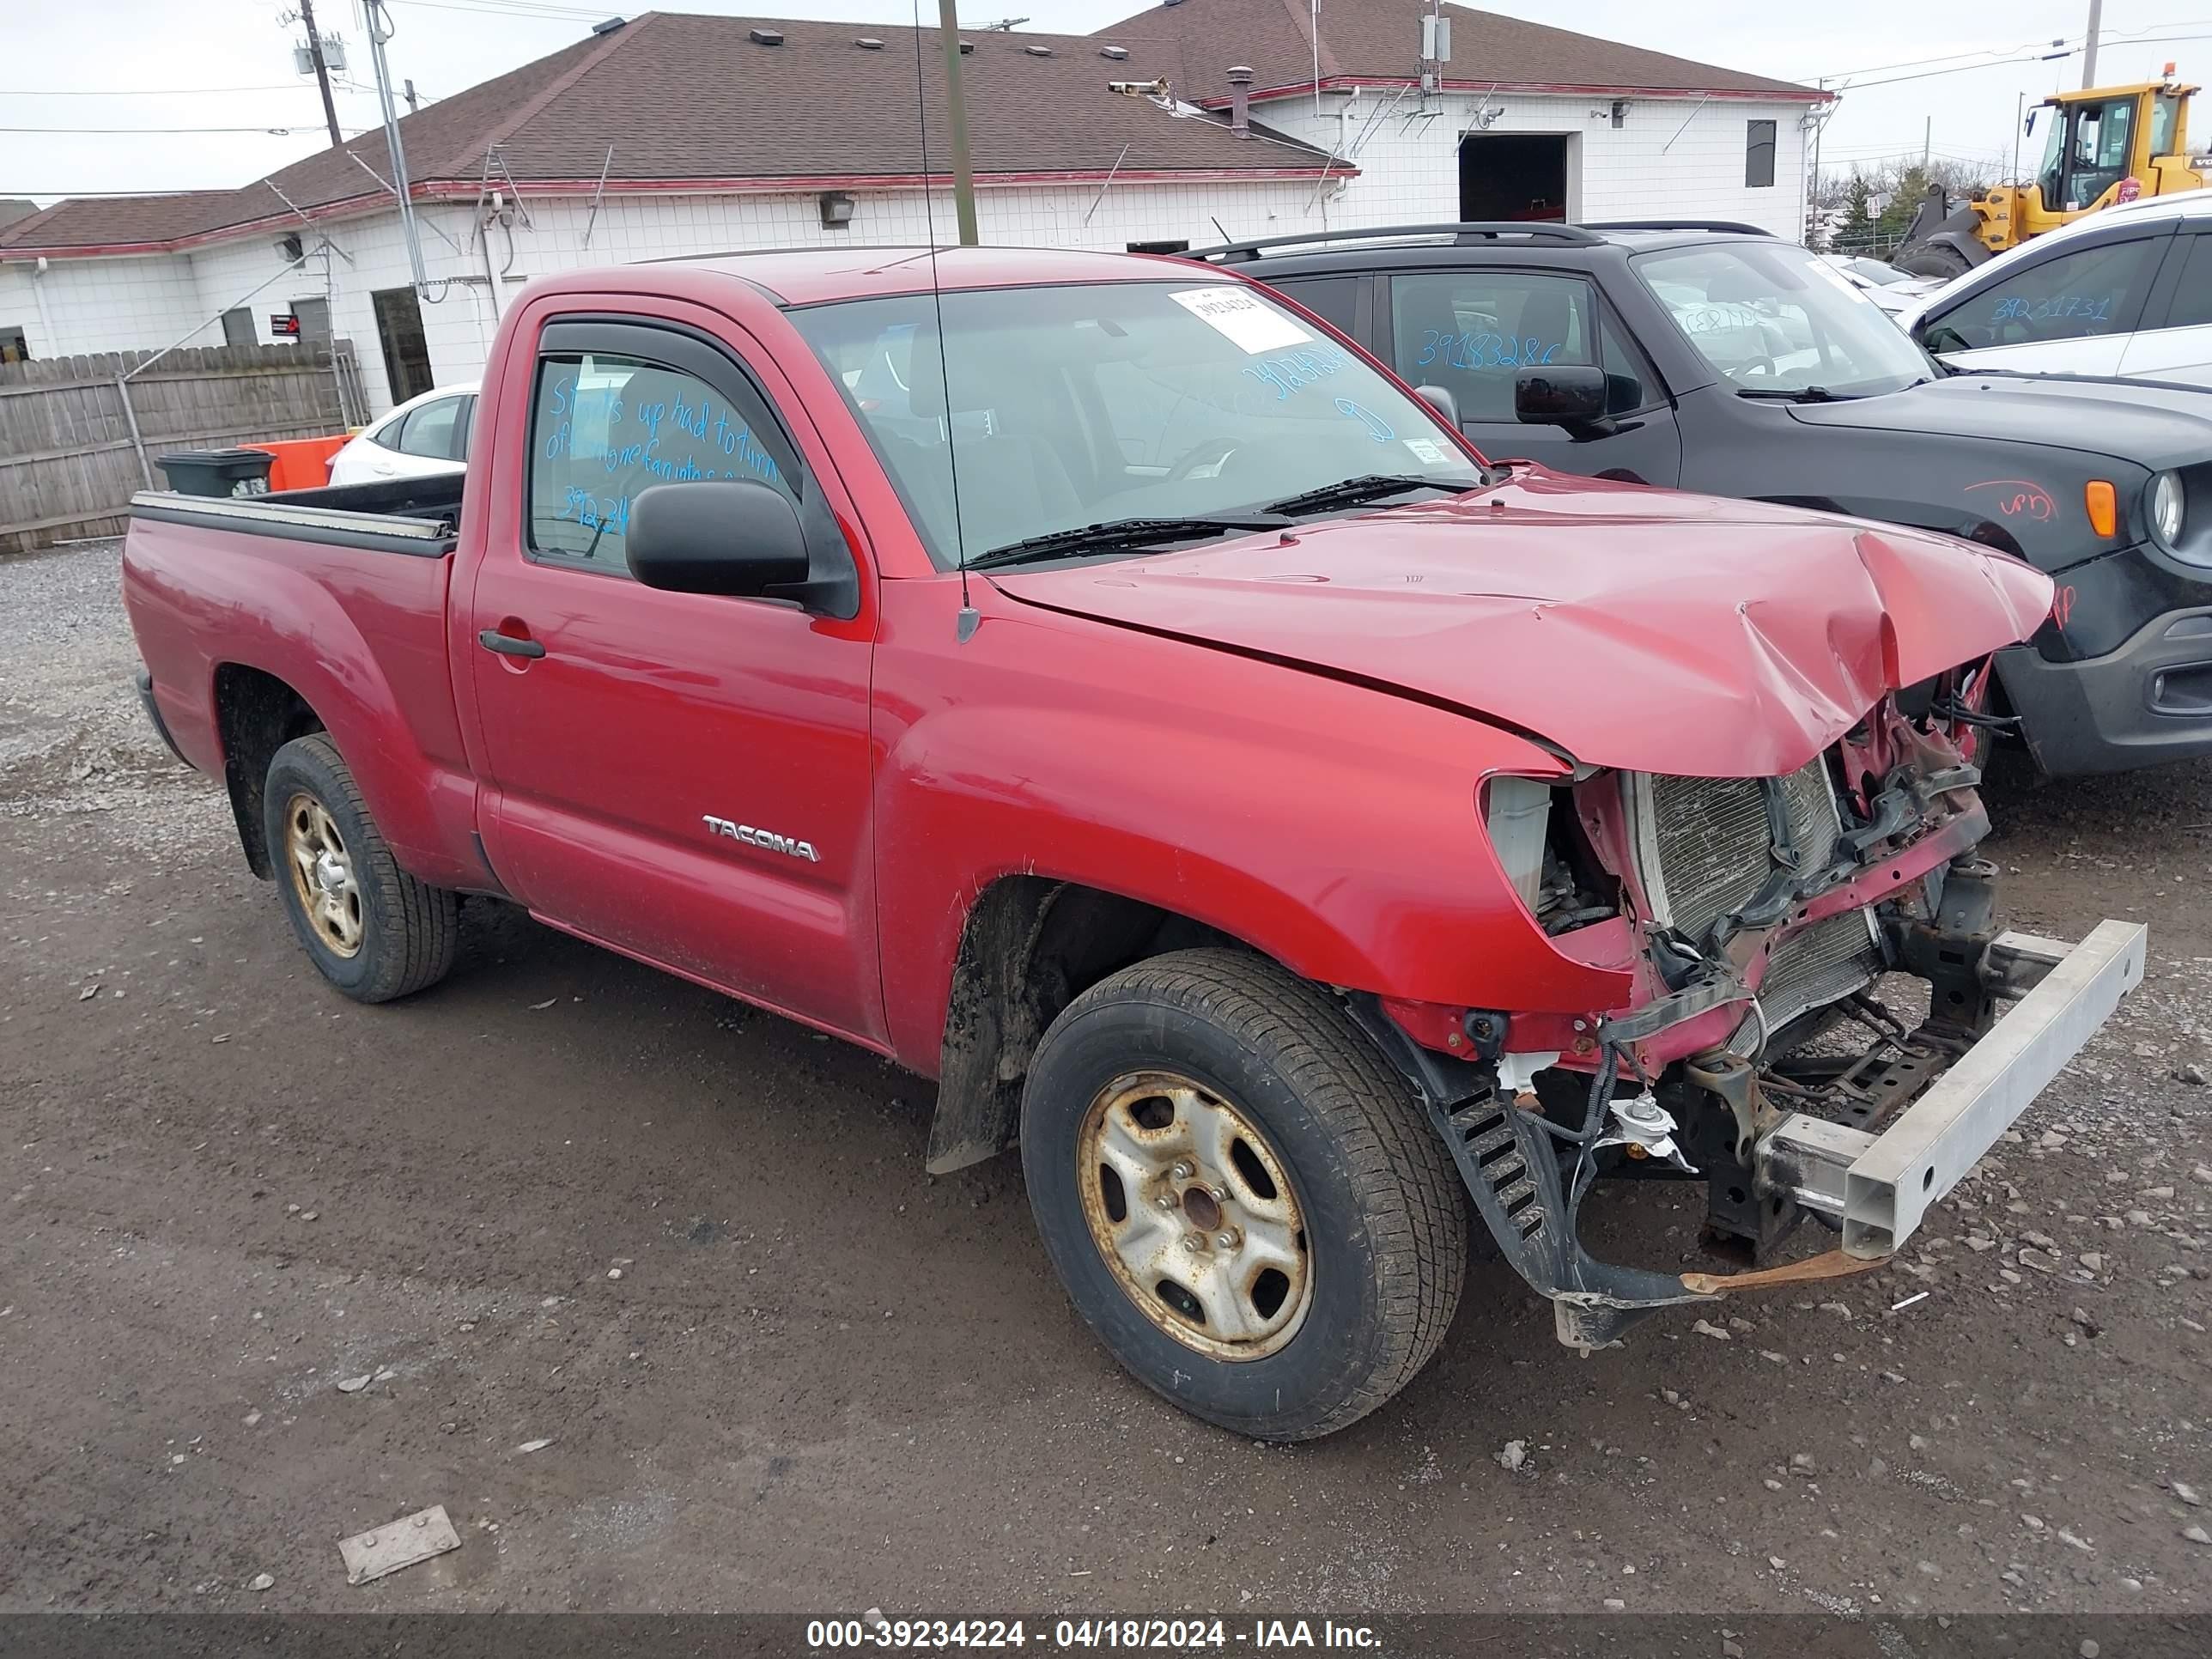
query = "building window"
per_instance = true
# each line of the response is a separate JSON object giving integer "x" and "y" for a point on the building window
{"x": 238, "y": 327}
{"x": 13, "y": 349}
{"x": 1183, "y": 246}
{"x": 1757, "y": 154}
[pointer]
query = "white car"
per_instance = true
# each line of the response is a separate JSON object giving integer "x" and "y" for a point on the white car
{"x": 421, "y": 438}
{"x": 1895, "y": 291}
{"x": 2126, "y": 290}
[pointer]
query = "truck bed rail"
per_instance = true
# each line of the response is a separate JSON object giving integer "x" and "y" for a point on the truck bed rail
{"x": 303, "y": 521}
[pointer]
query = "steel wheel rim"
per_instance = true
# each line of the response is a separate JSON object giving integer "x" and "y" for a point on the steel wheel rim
{"x": 322, "y": 875}
{"x": 1193, "y": 1212}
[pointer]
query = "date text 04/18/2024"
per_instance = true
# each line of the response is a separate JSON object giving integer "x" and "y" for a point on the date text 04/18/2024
{"x": 1168, "y": 1635}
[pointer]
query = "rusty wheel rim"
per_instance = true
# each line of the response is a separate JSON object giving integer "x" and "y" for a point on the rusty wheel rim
{"x": 322, "y": 875}
{"x": 1192, "y": 1211}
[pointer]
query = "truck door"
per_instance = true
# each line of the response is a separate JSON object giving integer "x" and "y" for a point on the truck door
{"x": 1472, "y": 329}
{"x": 684, "y": 777}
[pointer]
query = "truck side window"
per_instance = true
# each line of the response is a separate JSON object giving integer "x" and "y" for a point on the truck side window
{"x": 1471, "y": 331}
{"x": 2091, "y": 290}
{"x": 605, "y": 427}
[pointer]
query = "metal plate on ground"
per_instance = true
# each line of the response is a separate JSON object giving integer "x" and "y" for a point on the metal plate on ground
{"x": 397, "y": 1544}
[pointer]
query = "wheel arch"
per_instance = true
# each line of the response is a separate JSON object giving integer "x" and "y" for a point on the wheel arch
{"x": 1028, "y": 946}
{"x": 256, "y": 714}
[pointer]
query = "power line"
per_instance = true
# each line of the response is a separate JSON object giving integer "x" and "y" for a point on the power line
{"x": 274, "y": 132}
{"x": 2130, "y": 36}
{"x": 1990, "y": 52}
{"x": 138, "y": 92}
{"x": 133, "y": 194}
{"x": 503, "y": 8}
{"x": 1930, "y": 75}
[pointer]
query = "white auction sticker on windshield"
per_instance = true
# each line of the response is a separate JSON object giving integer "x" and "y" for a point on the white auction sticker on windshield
{"x": 1427, "y": 449}
{"x": 1241, "y": 319}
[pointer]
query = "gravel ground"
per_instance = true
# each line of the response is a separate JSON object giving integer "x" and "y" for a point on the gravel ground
{"x": 824, "y": 1382}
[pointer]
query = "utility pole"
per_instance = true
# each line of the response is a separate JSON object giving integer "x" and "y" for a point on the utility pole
{"x": 2089, "y": 43}
{"x": 322, "y": 70}
{"x": 380, "y": 31}
{"x": 407, "y": 88}
{"x": 1813, "y": 206}
{"x": 963, "y": 176}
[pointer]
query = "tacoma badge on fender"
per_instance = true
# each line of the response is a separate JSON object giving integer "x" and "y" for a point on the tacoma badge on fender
{"x": 762, "y": 838}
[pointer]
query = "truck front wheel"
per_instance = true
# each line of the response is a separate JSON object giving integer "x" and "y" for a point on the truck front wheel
{"x": 1243, "y": 1200}
{"x": 371, "y": 929}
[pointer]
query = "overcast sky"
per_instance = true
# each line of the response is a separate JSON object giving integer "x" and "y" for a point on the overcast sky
{"x": 146, "y": 64}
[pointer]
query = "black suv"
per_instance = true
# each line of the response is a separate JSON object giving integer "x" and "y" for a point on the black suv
{"x": 1719, "y": 358}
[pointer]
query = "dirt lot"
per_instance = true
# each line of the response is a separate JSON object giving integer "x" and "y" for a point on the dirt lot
{"x": 824, "y": 1382}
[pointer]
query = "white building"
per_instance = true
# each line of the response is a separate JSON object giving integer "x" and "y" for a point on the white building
{"x": 677, "y": 134}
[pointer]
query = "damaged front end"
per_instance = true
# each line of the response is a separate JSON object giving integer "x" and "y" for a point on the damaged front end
{"x": 1777, "y": 1047}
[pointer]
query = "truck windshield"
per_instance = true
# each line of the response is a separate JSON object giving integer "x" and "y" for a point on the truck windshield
{"x": 1776, "y": 319}
{"x": 1048, "y": 409}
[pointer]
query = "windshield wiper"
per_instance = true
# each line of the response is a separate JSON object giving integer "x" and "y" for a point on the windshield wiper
{"x": 1369, "y": 487}
{"x": 1805, "y": 394}
{"x": 1121, "y": 533}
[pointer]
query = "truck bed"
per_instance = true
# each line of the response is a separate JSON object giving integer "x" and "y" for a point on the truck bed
{"x": 419, "y": 516}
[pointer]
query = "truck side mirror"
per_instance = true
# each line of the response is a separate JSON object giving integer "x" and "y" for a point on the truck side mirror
{"x": 1440, "y": 398}
{"x": 1560, "y": 394}
{"x": 729, "y": 537}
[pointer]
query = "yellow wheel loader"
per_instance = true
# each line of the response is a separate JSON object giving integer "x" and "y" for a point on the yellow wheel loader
{"x": 2101, "y": 146}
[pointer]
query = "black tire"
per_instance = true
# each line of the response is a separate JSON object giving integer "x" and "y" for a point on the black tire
{"x": 407, "y": 929}
{"x": 1933, "y": 260}
{"x": 1384, "y": 1216}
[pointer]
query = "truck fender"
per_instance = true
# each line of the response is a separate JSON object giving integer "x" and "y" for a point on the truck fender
{"x": 1125, "y": 834}
{"x": 281, "y": 622}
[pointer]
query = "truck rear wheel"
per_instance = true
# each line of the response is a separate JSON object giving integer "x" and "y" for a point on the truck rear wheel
{"x": 1243, "y": 1200}
{"x": 371, "y": 929}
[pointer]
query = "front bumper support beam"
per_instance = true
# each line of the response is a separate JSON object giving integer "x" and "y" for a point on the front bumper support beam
{"x": 1880, "y": 1186}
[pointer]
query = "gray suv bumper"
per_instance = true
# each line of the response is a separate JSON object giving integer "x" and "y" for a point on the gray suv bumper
{"x": 2147, "y": 701}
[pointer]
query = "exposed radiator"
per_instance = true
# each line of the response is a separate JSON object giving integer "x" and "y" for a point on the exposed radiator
{"x": 1829, "y": 959}
{"x": 1708, "y": 842}
{"x": 1704, "y": 847}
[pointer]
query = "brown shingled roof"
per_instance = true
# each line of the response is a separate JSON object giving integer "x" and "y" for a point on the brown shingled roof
{"x": 1193, "y": 42}
{"x": 687, "y": 98}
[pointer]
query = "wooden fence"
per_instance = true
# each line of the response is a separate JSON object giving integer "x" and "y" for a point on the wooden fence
{"x": 80, "y": 435}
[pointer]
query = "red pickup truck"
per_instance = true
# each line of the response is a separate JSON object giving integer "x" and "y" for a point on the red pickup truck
{"x": 1093, "y": 683}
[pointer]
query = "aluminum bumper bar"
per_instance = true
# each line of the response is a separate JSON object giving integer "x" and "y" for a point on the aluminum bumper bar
{"x": 1880, "y": 1185}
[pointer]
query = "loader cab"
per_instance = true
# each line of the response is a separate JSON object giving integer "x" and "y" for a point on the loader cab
{"x": 2086, "y": 152}
{"x": 2107, "y": 145}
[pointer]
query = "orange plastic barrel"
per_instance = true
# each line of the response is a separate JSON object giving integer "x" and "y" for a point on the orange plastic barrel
{"x": 302, "y": 463}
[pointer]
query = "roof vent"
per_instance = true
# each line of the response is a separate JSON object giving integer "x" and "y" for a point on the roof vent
{"x": 869, "y": 43}
{"x": 1117, "y": 53}
{"x": 609, "y": 27}
{"x": 1038, "y": 52}
{"x": 766, "y": 37}
{"x": 967, "y": 46}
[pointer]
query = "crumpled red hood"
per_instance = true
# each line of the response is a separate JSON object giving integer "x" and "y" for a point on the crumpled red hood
{"x": 1637, "y": 629}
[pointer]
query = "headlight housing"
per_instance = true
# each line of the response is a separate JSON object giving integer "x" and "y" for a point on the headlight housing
{"x": 2167, "y": 510}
